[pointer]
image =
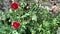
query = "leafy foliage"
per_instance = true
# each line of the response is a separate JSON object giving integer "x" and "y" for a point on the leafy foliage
{"x": 36, "y": 20}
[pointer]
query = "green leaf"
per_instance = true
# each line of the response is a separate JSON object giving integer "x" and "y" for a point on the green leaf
{"x": 34, "y": 17}
{"x": 15, "y": 32}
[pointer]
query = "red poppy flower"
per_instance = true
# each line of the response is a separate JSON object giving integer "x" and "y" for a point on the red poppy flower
{"x": 16, "y": 25}
{"x": 14, "y": 5}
